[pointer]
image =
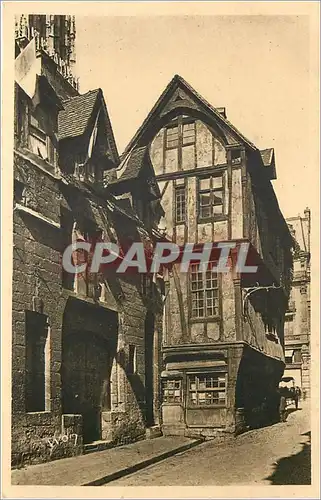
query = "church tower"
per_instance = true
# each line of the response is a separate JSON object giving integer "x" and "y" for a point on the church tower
{"x": 55, "y": 35}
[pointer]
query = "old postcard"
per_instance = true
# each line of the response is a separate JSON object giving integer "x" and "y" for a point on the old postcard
{"x": 160, "y": 181}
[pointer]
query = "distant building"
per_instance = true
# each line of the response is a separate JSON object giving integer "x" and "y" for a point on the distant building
{"x": 297, "y": 328}
{"x": 223, "y": 334}
{"x": 85, "y": 348}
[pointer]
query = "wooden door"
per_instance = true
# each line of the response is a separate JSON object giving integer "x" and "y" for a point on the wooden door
{"x": 85, "y": 369}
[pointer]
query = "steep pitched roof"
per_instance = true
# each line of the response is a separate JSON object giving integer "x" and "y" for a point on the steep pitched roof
{"x": 176, "y": 82}
{"x": 73, "y": 119}
{"x": 131, "y": 165}
{"x": 76, "y": 116}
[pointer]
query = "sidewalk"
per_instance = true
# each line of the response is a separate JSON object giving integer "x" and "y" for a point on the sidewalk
{"x": 101, "y": 467}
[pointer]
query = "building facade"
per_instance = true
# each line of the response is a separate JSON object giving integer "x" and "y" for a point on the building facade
{"x": 223, "y": 333}
{"x": 297, "y": 328}
{"x": 85, "y": 367}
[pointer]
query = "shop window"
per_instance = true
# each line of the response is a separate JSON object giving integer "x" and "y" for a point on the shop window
{"x": 207, "y": 389}
{"x": 180, "y": 204}
{"x": 172, "y": 391}
{"x": 204, "y": 289}
{"x": 210, "y": 197}
{"x": 37, "y": 362}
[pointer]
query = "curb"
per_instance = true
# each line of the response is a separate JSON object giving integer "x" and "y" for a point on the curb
{"x": 142, "y": 465}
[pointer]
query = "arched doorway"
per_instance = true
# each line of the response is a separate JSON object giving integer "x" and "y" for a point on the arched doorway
{"x": 149, "y": 368}
{"x": 86, "y": 367}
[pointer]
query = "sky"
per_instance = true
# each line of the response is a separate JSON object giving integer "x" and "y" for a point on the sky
{"x": 258, "y": 67}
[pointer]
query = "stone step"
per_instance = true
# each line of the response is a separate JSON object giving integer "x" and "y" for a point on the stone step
{"x": 97, "y": 446}
{"x": 153, "y": 432}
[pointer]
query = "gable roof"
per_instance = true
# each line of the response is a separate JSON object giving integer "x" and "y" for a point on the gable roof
{"x": 176, "y": 82}
{"x": 75, "y": 118}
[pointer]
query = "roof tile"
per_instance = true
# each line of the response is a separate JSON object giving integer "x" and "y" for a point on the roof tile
{"x": 73, "y": 119}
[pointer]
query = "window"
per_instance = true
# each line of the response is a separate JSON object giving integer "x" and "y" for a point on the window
{"x": 172, "y": 137}
{"x": 204, "y": 291}
{"x": 147, "y": 285}
{"x": 188, "y": 133}
{"x": 37, "y": 362}
{"x": 40, "y": 142}
{"x": 210, "y": 196}
{"x": 180, "y": 204}
{"x": 38, "y": 138}
{"x": 132, "y": 361}
{"x": 182, "y": 133}
{"x": 297, "y": 356}
{"x": 207, "y": 390}
{"x": 172, "y": 391}
{"x": 288, "y": 326}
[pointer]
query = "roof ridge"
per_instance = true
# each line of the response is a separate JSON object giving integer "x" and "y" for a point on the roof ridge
{"x": 91, "y": 91}
{"x": 179, "y": 79}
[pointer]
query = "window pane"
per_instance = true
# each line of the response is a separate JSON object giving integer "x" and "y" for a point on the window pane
{"x": 218, "y": 197}
{"x": 171, "y": 391}
{"x": 201, "y": 398}
{"x": 217, "y": 209}
{"x": 205, "y": 212}
{"x": 217, "y": 182}
{"x": 206, "y": 390}
{"x": 188, "y": 133}
{"x": 172, "y": 137}
{"x": 205, "y": 199}
{"x": 172, "y": 144}
{"x": 34, "y": 122}
{"x": 180, "y": 205}
{"x": 38, "y": 146}
{"x": 205, "y": 183}
{"x": 172, "y": 131}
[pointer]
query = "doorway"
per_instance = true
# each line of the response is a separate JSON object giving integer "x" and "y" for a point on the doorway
{"x": 85, "y": 376}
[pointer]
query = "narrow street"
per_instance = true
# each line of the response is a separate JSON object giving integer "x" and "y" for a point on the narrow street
{"x": 276, "y": 455}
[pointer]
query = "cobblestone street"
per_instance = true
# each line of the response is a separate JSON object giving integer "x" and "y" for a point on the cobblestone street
{"x": 276, "y": 455}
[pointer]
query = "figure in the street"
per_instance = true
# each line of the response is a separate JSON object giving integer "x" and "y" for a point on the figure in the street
{"x": 282, "y": 407}
{"x": 297, "y": 395}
